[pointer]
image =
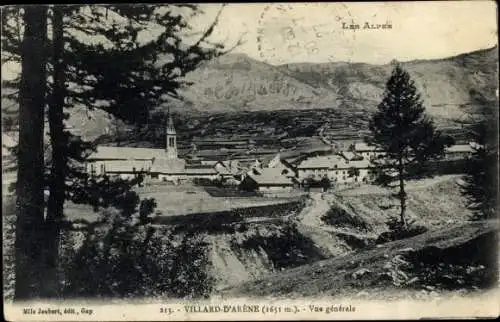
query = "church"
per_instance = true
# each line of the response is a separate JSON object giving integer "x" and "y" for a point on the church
{"x": 159, "y": 164}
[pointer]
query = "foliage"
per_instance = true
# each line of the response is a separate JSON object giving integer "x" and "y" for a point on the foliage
{"x": 9, "y": 236}
{"x": 123, "y": 255}
{"x": 481, "y": 171}
{"x": 311, "y": 182}
{"x": 480, "y": 183}
{"x": 124, "y": 258}
{"x": 118, "y": 73}
{"x": 325, "y": 183}
{"x": 285, "y": 246}
{"x": 146, "y": 208}
{"x": 402, "y": 130}
{"x": 399, "y": 231}
{"x": 433, "y": 268}
{"x": 339, "y": 217}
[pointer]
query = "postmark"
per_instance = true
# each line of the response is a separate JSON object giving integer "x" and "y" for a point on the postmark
{"x": 288, "y": 30}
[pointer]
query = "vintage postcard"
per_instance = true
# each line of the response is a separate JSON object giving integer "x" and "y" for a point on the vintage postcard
{"x": 250, "y": 161}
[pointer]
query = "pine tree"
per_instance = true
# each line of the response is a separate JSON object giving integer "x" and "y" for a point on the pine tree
{"x": 406, "y": 135}
{"x": 30, "y": 199}
{"x": 119, "y": 75}
{"x": 481, "y": 174}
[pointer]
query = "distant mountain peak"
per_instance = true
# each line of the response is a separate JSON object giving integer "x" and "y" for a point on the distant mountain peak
{"x": 237, "y": 82}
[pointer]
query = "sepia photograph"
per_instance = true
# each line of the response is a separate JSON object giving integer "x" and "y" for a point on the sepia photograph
{"x": 250, "y": 161}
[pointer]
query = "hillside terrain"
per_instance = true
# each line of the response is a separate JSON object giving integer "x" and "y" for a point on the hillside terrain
{"x": 236, "y": 82}
{"x": 341, "y": 229}
{"x": 425, "y": 266}
{"x": 236, "y": 86}
{"x": 270, "y": 243}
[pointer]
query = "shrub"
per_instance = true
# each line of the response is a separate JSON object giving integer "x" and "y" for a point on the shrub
{"x": 397, "y": 231}
{"x": 341, "y": 218}
{"x": 9, "y": 236}
{"x": 125, "y": 258}
{"x": 285, "y": 246}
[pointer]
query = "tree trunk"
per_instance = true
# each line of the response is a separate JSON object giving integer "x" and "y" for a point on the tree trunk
{"x": 402, "y": 193}
{"x": 57, "y": 173}
{"x": 30, "y": 182}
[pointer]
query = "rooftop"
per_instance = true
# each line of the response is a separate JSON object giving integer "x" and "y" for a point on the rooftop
{"x": 126, "y": 153}
{"x": 362, "y": 146}
{"x": 168, "y": 166}
{"x": 270, "y": 176}
{"x": 457, "y": 148}
{"x": 321, "y": 162}
{"x": 359, "y": 164}
{"x": 348, "y": 155}
{"x": 200, "y": 170}
{"x": 332, "y": 162}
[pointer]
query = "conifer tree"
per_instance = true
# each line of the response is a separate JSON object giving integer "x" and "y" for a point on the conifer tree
{"x": 406, "y": 135}
{"x": 29, "y": 186}
{"x": 119, "y": 74}
{"x": 481, "y": 174}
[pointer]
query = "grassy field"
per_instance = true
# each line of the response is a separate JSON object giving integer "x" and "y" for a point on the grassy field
{"x": 182, "y": 199}
{"x": 185, "y": 199}
{"x": 431, "y": 202}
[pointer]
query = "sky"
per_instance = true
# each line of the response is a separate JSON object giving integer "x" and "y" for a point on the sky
{"x": 312, "y": 32}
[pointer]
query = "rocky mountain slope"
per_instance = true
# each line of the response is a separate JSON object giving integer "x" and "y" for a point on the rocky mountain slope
{"x": 236, "y": 82}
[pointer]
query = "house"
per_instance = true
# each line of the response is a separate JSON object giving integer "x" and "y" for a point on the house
{"x": 126, "y": 169}
{"x": 121, "y": 160}
{"x": 257, "y": 164}
{"x": 223, "y": 170}
{"x": 318, "y": 167}
{"x": 336, "y": 168}
{"x": 356, "y": 170}
{"x": 199, "y": 172}
{"x": 286, "y": 167}
{"x": 349, "y": 155}
{"x": 267, "y": 180}
{"x": 459, "y": 151}
{"x": 161, "y": 164}
{"x": 367, "y": 151}
{"x": 209, "y": 162}
{"x": 227, "y": 168}
{"x": 165, "y": 169}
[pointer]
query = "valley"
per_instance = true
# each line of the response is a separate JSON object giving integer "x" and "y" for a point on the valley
{"x": 308, "y": 243}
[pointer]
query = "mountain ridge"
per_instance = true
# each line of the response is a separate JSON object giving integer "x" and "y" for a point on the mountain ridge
{"x": 236, "y": 82}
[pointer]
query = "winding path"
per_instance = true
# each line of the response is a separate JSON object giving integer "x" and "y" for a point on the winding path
{"x": 310, "y": 224}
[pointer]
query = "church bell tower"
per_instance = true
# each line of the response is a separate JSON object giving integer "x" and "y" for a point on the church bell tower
{"x": 171, "y": 138}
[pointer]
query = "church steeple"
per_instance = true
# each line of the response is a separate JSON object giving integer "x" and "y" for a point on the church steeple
{"x": 171, "y": 138}
{"x": 170, "y": 124}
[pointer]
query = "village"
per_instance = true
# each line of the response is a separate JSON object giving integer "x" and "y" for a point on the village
{"x": 271, "y": 174}
{"x": 188, "y": 155}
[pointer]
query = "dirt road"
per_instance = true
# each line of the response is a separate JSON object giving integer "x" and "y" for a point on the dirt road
{"x": 325, "y": 237}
